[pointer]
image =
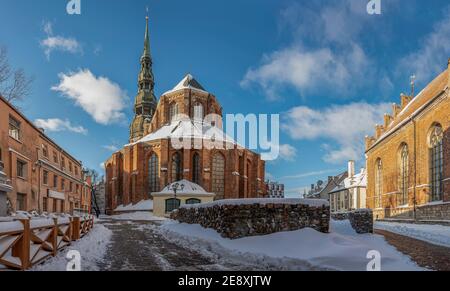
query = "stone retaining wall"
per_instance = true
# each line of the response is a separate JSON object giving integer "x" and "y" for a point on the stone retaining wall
{"x": 237, "y": 221}
{"x": 361, "y": 220}
{"x": 433, "y": 212}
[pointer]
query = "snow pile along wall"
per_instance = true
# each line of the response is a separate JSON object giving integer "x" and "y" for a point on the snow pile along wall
{"x": 361, "y": 220}
{"x": 252, "y": 218}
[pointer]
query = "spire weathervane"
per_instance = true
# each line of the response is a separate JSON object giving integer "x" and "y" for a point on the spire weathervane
{"x": 413, "y": 83}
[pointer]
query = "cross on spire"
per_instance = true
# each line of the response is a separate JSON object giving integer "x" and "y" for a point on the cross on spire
{"x": 413, "y": 83}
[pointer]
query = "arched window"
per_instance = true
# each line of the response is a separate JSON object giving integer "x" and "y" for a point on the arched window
{"x": 173, "y": 112}
{"x": 378, "y": 183}
{"x": 403, "y": 179}
{"x": 218, "y": 176}
{"x": 437, "y": 162}
{"x": 193, "y": 201}
{"x": 196, "y": 170}
{"x": 153, "y": 173}
{"x": 177, "y": 167}
{"x": 198, "y": 111}
{"x": 172, "y": 204}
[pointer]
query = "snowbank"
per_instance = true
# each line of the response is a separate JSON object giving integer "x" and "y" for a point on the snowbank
{"x": 261, "y": 201}
{"x": 342, "y": 249}
{"x": 435, "y": 234}
{"x": 144, "y": 205}
{"x": 92, "y": 248}
{"x": 137, "y": 216}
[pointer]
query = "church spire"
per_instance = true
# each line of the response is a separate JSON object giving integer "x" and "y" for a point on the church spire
{"x": 145, "y": 101}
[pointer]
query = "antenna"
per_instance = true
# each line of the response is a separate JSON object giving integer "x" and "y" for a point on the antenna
{"x": 146, "y": 9}
{"x": 413, "y": 83}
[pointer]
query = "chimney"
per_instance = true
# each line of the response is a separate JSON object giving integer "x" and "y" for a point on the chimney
{"x": 351, "y": 169}
{"x": 330, "y": 178}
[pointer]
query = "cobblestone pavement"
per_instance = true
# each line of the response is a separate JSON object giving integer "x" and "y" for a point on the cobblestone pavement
{"x": 137, "y": 246}
{"x": 426, "y": 255}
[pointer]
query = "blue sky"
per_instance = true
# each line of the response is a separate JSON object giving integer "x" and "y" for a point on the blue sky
{"x": 327, "y": 67}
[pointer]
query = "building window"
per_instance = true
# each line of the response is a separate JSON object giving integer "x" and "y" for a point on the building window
{"x": 63, "y": 184}
{"x": 45, "y": 150}
{"x": 172, "y": 204}
{"x": 21, "y": 169}
{"x": 437, "y": 162}
{"x": 21, "y": 202}
{"x": 177, "y": 167}
{"x": 198, "y": 111}
{"x": 70, "y": 166}
{"x": 76, "y": 171}
{"x": 44, "y": 204}
{"x": 218, "y": 176}
{"x": 196, "y": 170}
{"x": 378, "y": 183}
{"x": 55, "y": 157}
{"x": 55, "y": 181}
{"x": 173, "y": 112}
{"x": 404, "y": 176}
{"x": 71, "y": 186}
{"x": 14, "y": 128}
{"x": 55, "y": 205}
{"x": 63, "y": 163}
{"x": 193, "y": 201}
{"x": 62, "y": 207}
{"x": 153, "y": 173}
{"x": 45, "y": 177}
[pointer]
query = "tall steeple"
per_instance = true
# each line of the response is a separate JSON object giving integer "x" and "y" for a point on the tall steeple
{"x": 145, "y": 101}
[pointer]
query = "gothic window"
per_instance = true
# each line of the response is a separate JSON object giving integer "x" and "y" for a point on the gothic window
{"x": 177, "y": 165}
{"x": 218, "y": 176}
{"x": 378, "y": 183}
{"x": 198, "y": 111}
{"x": 173, "y": 112}
{"x": 153, "y": 173}
{"x": 172, "y": 204}
{"x": 196, "y": 170}
{"x": 193, "y": 201}
{"x": 437, "y": 164}
{"x": 403, "y": 181}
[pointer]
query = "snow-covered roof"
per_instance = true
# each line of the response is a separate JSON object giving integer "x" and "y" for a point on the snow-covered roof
{"x": 184, "y": 187}
{"x": 188, "y": 82}
{"x": 189, "y": 129}
{"x": 358, "y": 180}
{"x": 262, "y": 201}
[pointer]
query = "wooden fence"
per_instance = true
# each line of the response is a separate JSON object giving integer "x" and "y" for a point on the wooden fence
{"x": 27, "y": 242}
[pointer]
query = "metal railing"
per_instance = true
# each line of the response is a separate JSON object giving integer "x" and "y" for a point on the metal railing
{"x": 26, "y": 242}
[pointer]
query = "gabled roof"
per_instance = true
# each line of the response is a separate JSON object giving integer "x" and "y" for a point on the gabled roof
{"x": 188, "y": 82}
{"x": 358, "y": 180}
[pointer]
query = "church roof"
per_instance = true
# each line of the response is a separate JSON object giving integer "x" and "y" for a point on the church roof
{"x": 189, "y": 129}
{"x": 188, "y": 82}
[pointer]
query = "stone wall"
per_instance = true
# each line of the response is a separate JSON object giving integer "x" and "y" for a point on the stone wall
{"x": 361, "y": 220}
{"x": 433, "y": 212}
{"x": 243, "y": 220}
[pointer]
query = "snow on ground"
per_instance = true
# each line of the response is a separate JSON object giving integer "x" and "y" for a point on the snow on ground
{"x": 342, "y": 249}
{"x": 92, "y": 248}
{"x": 137, "y": 216}
{"x": 435, "y": 234}
{"x": 140, "y": 206}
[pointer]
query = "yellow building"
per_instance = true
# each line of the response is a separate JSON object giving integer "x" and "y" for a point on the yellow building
{"x": 408, "y": 159}
{"x": 177, "y": 194}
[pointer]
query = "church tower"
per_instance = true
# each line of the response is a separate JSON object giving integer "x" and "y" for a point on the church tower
{"x": 145, "y": 101}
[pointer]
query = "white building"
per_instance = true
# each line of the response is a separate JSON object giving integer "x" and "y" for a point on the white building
{"x": 351, "y": 193}
{"x": 275, "y": 190}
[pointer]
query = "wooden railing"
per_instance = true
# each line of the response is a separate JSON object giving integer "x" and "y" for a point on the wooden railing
{"x": 27, "y": 242}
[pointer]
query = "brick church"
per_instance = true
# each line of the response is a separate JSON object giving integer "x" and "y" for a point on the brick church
{"x": 408, "y": 159}
{"x": 208, "y": 156}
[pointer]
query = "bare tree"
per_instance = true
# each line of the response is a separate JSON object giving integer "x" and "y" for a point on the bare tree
{"x": 96, "y": 180}
{"x": 15, "y": 85}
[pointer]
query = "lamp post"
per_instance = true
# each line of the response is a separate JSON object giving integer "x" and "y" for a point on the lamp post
{"x": 175, "y": 188}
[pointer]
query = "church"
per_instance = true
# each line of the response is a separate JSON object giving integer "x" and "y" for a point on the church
{"x": 203, "y": 154}
{"x": 408, "y": 159}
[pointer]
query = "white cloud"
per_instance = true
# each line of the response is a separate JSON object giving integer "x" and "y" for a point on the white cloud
{"x": 58, "y": 43}
{"x": 102, "y": 166}
{"x": 333, "y": 59}
{"x": 309, "y": 174}
{"x": 101, "y": 98}
{"x": 431, "y": 58}
{"x": 111, "y": 148}
{"x": 288, "y": 152}
{"x": 56, "y": 124}
{"x": 344, "y": 125}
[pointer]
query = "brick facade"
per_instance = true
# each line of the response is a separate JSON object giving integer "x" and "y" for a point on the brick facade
{"x": 411, "y": 125}
{"x": 34, "y": 162}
